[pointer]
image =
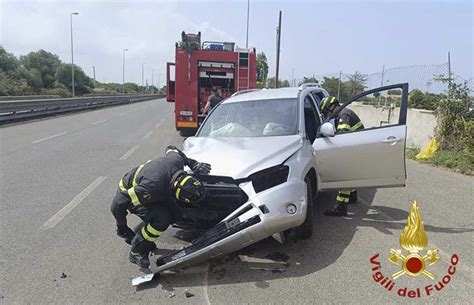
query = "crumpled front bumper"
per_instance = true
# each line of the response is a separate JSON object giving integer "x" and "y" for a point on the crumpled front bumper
{"x": 263, "y": 215}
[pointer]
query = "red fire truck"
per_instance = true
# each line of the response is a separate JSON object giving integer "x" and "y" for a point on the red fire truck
{"x": 200, "y": 67}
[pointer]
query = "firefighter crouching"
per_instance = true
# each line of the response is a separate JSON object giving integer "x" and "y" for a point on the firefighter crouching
{"x": 346, "y": 121}
{"x": 150, "y": 191}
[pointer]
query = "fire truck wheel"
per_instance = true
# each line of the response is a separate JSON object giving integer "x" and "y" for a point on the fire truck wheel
{"x": 187, "y": 132}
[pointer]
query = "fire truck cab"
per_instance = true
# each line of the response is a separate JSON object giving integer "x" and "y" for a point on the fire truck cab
{"x": 200, "y": 67}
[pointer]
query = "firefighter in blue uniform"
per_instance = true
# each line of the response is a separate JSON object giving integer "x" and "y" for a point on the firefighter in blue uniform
{"x": 346, "y": 121}
{"x": 150, "y": 191}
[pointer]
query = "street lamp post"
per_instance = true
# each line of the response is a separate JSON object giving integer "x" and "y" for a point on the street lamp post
{"x": 123, "y": 70}
{"x": 72, "y": 58}
{"x": 152, "y": 84}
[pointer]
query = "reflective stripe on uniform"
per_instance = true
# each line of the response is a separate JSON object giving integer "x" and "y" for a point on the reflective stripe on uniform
{"x": 153, "y": 231}
{"x": 134, "y": 181}
{"x": 346, "y": 192}
{"x": 147, "y": 236}
{"x": 342, "y": 199}
{"x": 343, "y": 127}
{"x": 131, "y": 191}
{"x": 121, "y": 186}
{"x": 327, "y": 100}
{"x": 133, "y": 196}
{"x": 356, "y": 126}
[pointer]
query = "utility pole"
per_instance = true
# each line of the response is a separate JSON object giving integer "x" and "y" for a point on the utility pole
{"x": 278, "y": 51}
{"x": 143, "y": 76}
{"x": 381, "y": 81}
{"x": 293, "y": 77}
{"x": 248, "y": 11}
{"x": 72, "y": 59}
{"x": 123, "y": 70}
{"x": 449, "y": 74}
{"x": 339, "y": 86}
{"x": 93, "y": 73}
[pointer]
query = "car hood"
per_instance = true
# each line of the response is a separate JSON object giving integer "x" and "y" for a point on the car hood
{"x": 240, "y": 157}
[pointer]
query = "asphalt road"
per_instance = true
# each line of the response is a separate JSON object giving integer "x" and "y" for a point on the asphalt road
{"x": 58, "y": 177}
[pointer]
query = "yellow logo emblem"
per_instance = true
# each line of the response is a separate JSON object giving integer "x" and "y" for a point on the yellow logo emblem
{"x": 414, "y": 240}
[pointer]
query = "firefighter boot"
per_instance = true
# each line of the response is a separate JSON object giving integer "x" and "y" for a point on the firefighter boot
{"x": 140, "y": 250}
{"x": 339, "y": 210}
{"x": 353, "y": 197}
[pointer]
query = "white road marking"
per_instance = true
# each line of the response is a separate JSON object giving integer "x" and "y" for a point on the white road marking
{"x": 56, "y": 218}
{"x": 44, "y": 139}
{"x": 98, "y": 122}
{"x": 129, "y": 152}
{"x": 148, "y": 135}
{"x": 122, "y": 114}
{"x": 206, "y": 285}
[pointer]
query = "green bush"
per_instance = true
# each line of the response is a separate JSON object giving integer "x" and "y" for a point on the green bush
{"x": 462, "y": 161}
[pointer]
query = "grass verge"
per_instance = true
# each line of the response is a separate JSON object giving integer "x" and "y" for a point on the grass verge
{"x": 459, "y": 161}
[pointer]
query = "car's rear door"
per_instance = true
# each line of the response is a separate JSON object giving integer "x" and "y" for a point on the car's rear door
{"x": 369, "y": 157}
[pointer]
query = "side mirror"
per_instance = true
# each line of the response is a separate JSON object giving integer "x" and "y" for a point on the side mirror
{"x": 327, "y": 130}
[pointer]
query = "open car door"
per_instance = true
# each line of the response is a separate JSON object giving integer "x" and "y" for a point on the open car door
{"x": 370, "y": 157}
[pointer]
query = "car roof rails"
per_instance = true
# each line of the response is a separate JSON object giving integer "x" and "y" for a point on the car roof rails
{"x": 307, "y": 85}
{"x": 244, "y": 91}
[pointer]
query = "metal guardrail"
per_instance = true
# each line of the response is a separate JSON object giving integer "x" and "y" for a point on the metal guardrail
{"x": 28, "y": 109}
{"x": 27, "y": 97}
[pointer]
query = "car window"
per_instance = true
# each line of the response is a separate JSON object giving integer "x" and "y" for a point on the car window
{"x": 311, "y": 117}
{"x": 260, "y": 118}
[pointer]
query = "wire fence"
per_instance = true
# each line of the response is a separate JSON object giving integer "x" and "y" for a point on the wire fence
{"x": 427, "y": 78}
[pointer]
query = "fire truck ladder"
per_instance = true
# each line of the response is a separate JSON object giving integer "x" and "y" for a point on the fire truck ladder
{"x": 243, "y": 70}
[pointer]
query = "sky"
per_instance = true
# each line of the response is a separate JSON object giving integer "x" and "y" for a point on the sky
{"x": 318, "y": 37}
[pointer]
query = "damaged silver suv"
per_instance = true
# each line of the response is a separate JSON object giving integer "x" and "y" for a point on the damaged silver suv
{"x": 271, "y": 152}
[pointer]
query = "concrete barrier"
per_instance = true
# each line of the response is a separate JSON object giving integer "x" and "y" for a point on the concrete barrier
{"x": 421, "y": 124}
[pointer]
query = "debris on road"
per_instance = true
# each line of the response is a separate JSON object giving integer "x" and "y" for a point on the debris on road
{"x": 171, "y": 295}
{"x": 188, "y": 294}
{"x": 63, "y": 275}
{"x": 142, "y": 279}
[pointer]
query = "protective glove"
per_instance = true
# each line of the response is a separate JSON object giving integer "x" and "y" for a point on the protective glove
{"x": 126, "y": 233}
{"x": 202, "y": 168}
{"x": 198, "y": 167}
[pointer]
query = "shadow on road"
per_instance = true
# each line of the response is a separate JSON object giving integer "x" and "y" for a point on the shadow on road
{"x": 269, "y": 260}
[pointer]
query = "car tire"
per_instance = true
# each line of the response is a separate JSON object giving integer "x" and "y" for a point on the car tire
{"x": 305, "y": 230}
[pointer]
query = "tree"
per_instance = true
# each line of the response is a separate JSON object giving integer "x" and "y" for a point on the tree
{"x": 8, "y": 61}
{"x": 308, "y": 80}
{"x": 262, "y": 67}
{"x": 281, "y": 83}
{"x": 82, "y": 82}
{"x": 357, "y": 82}
{"x": 45, "y": 62}
{"x": 32, "y": 77}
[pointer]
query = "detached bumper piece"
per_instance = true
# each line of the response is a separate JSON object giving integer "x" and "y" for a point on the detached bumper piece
{"x": 219, "y": 232}
{"x": 201, "y": 248}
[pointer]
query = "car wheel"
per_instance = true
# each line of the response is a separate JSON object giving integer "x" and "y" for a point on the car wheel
{"x": 305, "y": 230}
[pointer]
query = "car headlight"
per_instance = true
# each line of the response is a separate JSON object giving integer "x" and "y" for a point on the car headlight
{"x": 269, "y": 177}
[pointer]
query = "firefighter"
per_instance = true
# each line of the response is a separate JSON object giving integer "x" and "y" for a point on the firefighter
{"x": 150, "y": 191}
{"x": 346, "y": 121}
{"x": 212, "y": 101}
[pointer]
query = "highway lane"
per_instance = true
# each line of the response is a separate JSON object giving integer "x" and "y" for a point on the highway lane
{"x": 39, "y": 179}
